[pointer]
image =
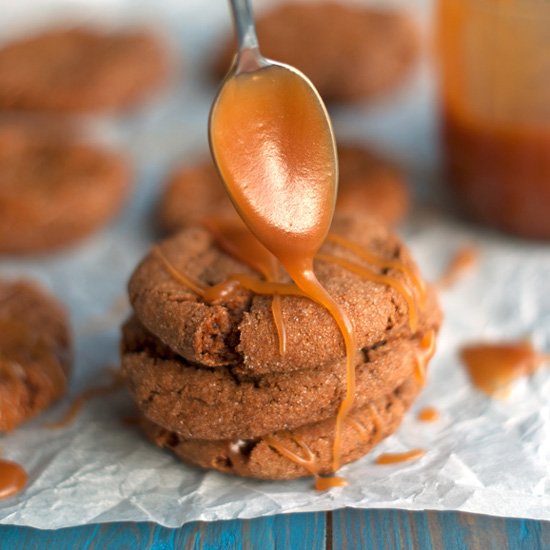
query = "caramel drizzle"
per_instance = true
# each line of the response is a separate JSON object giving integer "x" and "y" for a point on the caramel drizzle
{"x": 13, "y": 478}
{"x": 377, "y": 278}
{"x": 230, "y": 285}
{"x": 463, "y": 260}
{"x": 427, "y": 345}
{"x": 428, "y": 414}
{"x": 418, "y": 284}
{"x": 80, "y": 400}
{"x": 308, "y": 461}
{"x": 393, "y": 458}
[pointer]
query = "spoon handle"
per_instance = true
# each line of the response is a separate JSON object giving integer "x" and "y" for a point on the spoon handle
{"x": 248, "y": 54}
{"x": 244, "y": 24}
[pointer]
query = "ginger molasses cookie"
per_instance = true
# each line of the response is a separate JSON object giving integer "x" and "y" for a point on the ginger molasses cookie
{"x": 369, "y": 184}
{"x": 349, "y": 52}
{"x": 80, "y": 69}
{"x": 54, "y": 190}
{"x": 35, "y": 352}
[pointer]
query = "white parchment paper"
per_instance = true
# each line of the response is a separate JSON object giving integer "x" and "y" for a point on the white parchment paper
{"x": 484, "y": 456}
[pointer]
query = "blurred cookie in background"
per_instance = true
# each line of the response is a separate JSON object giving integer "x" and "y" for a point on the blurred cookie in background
{"x": 368, "y": 184}
{"x": 35, "y": 351}
{"x": 349, "y": 52}
{"x": 80, "y": 70}
{"x": 371, "y": 184}
{"x": 54, "y": 189}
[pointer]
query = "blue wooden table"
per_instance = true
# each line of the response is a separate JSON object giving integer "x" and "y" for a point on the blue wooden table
{"x": 343, "y": 529}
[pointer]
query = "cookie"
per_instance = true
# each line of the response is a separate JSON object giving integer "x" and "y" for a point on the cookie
{"x": 54, "y": 190}
{"x": 349, "y": 52}
{"x": 80, "y": 69}
{"x": 192, "y": 194}
{"x": 368, "y": 184}
{"x": 223, "y": 403}
{"x": 365, "y": 427}
{"x": 241, "y": 331}
{"x": 35, "y": 352}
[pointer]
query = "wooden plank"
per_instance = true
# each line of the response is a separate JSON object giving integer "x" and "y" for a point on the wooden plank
{"x": 396, "y": 530}
{"x": 295, "y": 531}
{"x": 372, "y": 529}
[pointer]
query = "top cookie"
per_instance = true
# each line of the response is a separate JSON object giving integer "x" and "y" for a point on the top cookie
{"x": 240, "y": 331}
{"x": 349, "y": 52}
{"x": 80, "y": 70}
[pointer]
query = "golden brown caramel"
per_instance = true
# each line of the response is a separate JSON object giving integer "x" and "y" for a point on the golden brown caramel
{"x": 418, "y": 285}
{"x": 464, "y": 259}
{"x": 493, "y": 368}
{"x": 13, "y": 478}
{"x": 428, "y": 414}
{"x": 394, "y": 458}
{"x": 427, "y": 349}
{"x": 308, "y": 462}
{"x": 81, "y": 400}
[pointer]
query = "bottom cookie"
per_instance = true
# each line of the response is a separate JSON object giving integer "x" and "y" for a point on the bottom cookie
{"x": 307, "y": 450}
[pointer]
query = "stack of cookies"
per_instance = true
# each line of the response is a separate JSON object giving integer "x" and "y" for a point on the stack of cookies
{"x": 213, "y": 386}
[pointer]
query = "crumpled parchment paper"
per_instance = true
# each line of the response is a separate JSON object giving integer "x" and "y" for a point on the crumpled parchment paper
{"x": 483, "y": 455}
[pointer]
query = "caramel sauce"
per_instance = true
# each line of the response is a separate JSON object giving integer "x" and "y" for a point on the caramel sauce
{"x": 493, "y": 368}
{"x": 428, "y": 414}
{"x": 394, "y": 458}
{"x": 13, "y": 478}
{"x": 377, "y": 278}
{"x": 308, "y": 462}
{"x": 464, "y": 259}
{"x": 80, "y": 400}
{"x": 422, "y": 358}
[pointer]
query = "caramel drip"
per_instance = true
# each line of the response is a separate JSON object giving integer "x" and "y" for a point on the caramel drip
{"x": 308, "y": 462}
{"x": 237, "y": 240}
{"x": 393, "y": 458}
{"x": 359, "y": 428}
{"x": 80, "y": 400}
{"x": 106, "y": 320}
{"x": 13, "y": 478}
{"x": 422, "y": 358}
{"x": 377, "y": 278}
{"x": 230, "y": 285}
{"x": 418, "y": 284}
{"x": 464, "y": 259}
{"x": 428, "y": 414}
{"x": 377, "y": 421}
{"x": 494, "y": 367}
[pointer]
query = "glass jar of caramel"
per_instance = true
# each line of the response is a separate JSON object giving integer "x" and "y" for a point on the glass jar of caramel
{"x": 494, "y": 58}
